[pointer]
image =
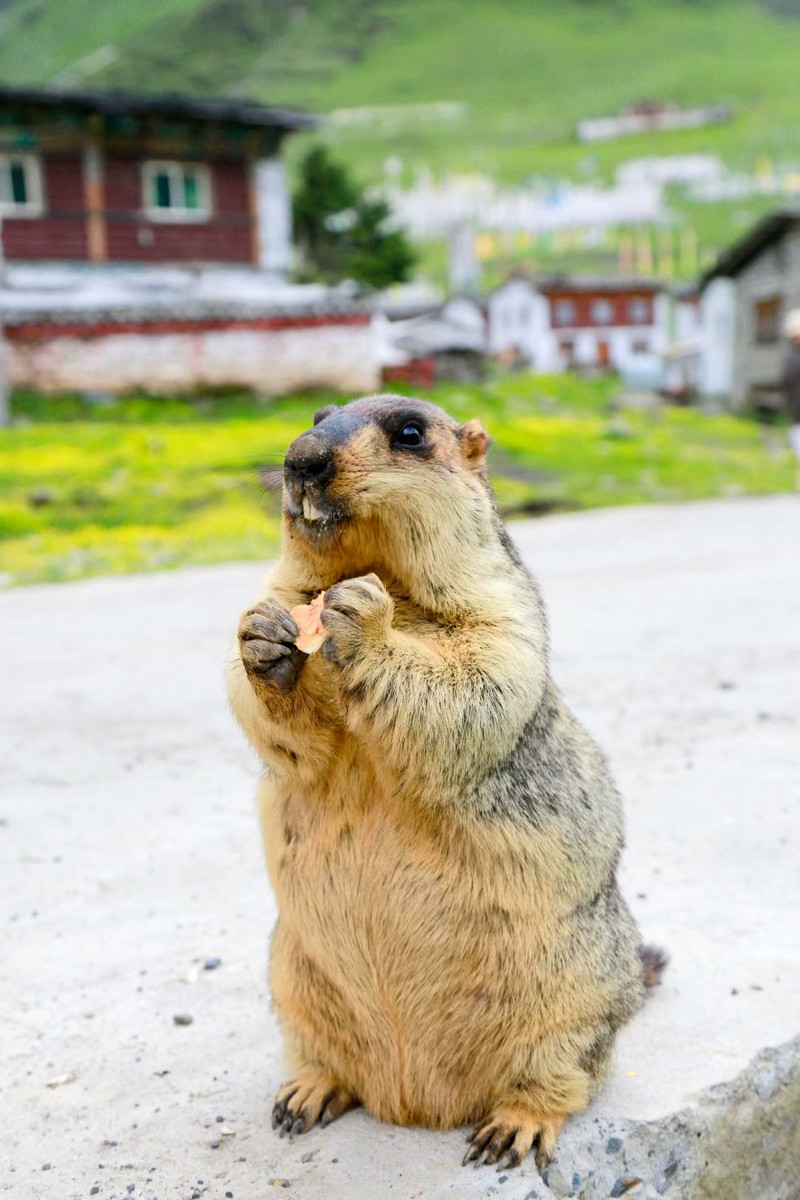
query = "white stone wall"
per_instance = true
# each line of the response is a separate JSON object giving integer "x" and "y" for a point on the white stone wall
{"x": 272, "y": 361}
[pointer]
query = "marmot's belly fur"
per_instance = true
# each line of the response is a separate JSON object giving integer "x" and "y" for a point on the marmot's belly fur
{"x": 430, "y": 965}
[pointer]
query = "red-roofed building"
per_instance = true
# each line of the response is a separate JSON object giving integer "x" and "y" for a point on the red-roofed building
{"x": 553, "y": 324}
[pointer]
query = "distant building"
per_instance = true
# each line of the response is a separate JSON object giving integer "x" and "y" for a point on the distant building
{"x": 648, "y": 117}
{"x": 745, "y": 298}
{"x": 554, "y": 324}
{"x": 147, "y": 242}
{"x": 666, "y": 169}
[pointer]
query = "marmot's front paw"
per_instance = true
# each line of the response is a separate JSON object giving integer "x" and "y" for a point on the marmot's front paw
{"x": 357, "y": 613}
{"x": 267, "y": 635}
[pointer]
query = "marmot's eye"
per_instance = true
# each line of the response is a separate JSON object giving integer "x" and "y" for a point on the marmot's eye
{"x": 411, "y": 435}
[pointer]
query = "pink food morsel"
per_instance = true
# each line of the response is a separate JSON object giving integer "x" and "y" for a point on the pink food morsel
{"x": 312, "y": 633}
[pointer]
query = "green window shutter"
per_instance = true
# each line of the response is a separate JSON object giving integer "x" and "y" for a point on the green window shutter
{"x": 161, "y": 188}
{"x": 19, "y": 187}
{"x": 190, "y": 190}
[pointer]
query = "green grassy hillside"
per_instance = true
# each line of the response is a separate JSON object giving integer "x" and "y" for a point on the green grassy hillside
{"x": 524, "y": 70}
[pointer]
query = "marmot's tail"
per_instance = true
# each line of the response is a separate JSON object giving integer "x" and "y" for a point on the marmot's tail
{"x": 654, "y": 963}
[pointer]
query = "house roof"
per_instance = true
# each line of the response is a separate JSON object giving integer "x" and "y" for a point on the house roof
{"x": 574, "y": 283}
{"x": 64, "y": 293}
{"x": 770, "y": 229}
{"x": 187, "y": 312}
{"x": 188, "y": 108}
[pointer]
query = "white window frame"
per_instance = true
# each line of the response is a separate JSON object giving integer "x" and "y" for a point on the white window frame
{"x": 34, "y": 205}
{"x": 175, "y": 169}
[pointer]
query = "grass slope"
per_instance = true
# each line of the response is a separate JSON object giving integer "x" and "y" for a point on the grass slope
{"x": 149, "y": 484}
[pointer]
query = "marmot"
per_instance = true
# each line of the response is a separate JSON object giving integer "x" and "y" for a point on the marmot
{"x": 441, "y": 834}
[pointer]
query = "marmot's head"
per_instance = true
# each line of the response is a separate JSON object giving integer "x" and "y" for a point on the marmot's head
{"x": 386, "y": 466}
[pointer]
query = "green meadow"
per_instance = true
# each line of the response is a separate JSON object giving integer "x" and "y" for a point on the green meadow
{"x": 149, "y": 484}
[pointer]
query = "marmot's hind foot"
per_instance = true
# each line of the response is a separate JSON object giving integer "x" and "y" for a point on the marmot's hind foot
{"x": 314, "y": 1097}
{"x": 507, "y": 1135}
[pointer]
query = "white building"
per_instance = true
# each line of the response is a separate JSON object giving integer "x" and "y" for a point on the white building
{"x": 554, "y": 324}
{"x": 518, "y": 325}
{"x": 647, "y": 118}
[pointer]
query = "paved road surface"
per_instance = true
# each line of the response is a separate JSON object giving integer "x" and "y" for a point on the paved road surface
{"x": 130, "y": 853}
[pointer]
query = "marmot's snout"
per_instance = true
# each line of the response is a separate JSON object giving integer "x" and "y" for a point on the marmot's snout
{"x": 309, "y": 460}
{"x": 308, "y": 469}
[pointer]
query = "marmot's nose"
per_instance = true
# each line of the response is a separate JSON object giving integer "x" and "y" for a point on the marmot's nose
{"x": 309, "y": 460}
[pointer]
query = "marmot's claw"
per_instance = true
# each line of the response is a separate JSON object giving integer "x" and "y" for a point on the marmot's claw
{"x": 279, "y": 1108}
{"x": 542, "y": 1158}
{"x": 477, "y": 1141}
{"x": 508, "y": 1159}
{"x": 498, "y": 1145}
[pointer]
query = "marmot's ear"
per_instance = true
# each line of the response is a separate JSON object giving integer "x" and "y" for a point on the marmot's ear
{"x": 475, "y": 441}
{"x": 322, "y": 413}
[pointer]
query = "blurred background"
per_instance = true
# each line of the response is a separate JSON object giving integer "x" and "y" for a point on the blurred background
{"x": 579, "y": 221}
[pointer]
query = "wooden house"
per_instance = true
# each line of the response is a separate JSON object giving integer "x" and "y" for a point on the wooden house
{"x": 147, "y": 245}
{"x": 104, "y": 177}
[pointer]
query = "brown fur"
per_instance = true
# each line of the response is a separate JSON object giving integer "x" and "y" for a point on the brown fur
{"x": 441, "y": 835}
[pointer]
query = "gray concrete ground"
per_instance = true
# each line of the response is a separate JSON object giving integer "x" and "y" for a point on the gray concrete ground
{"x": 130, "y": 855}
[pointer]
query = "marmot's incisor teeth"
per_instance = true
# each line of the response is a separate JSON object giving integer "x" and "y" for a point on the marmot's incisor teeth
{"x": 310, "y": 511}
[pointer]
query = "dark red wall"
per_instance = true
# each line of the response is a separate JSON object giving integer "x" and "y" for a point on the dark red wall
{"x": 61, "y": 232}
{"x": 225, "y": 237}
{"x": 583, "y": 301}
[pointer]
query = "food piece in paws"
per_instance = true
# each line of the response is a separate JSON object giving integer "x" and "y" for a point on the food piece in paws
{"x": 312, "y": 632}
